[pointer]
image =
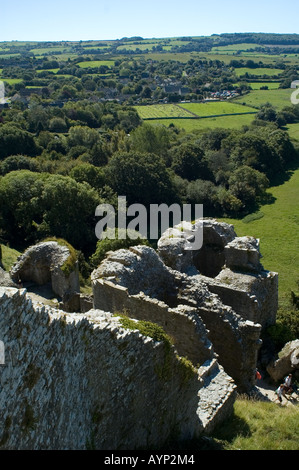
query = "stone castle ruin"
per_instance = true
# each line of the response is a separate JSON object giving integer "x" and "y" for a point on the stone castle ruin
{"x": 97, "y": 378}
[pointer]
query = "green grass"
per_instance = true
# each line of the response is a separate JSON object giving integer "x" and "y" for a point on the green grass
{"x": 9, "y": 256}
{"x": 45, "y": 50}
{"x": 96, "y": 63}
{"x": 47, "y": 70}
{"x": 157, "y": 111}
{"x": 216, "y": 108}
{"x": 12, "y": 81}
{"x": 258, "y": 71}
{"x": 189, "y": 125}
{"x": 279, "y": 98}
{"x": 259, "y": 426}
{"x": 234, "y": 47}
{"x": 293, "y": 130}
{"x": 258, "y": 85}
{"x": 232, "y": 119}
{"x": 278, "y": 233}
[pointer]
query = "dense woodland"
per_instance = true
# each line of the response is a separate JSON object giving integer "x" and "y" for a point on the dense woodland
{"x": 85, "y": 153}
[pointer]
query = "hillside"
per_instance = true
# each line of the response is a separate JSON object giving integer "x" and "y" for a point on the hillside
{"x": 184, "y": 120}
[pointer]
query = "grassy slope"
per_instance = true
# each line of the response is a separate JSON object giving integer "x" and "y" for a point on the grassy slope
{"x": 9, "y": 256}
{"x": 260, "y": 426}
{"x": 279, "y": 98}
{"x": 278, "y": 233}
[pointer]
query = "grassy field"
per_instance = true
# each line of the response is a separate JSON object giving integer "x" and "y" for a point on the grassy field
{"x": 279, "y": 98}
{"x": 225, "y": 112}
{"x": 278, "y": 230}
{"x": 216, "y": 108}
{"x": 258, "y": 85}
{"x": 47, "y": 70}
{"x": 9, "y": 256}
{"x": 293, "y": 130}
{"x": 189, "y": 110}
{"x": 258, "y": 71}
{"x": 189, "y": 125}
{"x": 96, "y": 63}
{"x": 233, "y": 48}
{"x": 259, "y": 426}
{"x": 157, "y": 111}
{"x": 12, "y": 81}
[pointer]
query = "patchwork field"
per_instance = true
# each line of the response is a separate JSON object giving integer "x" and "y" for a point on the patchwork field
{"x": 192, "y": 116}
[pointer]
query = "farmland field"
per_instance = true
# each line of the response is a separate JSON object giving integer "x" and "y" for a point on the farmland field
{"x": 216, "y": 108}
{"x": 190, "y": 125}
{"x": 258, "y": 71}
{"x": 278, "y": 98}
{"x": 191, "y": 110}
{"x": 234, "y": 48}
{"x": 96, "y": 63}
{"x": 12, "y": 81}
{"x": 158, "y": 111}
{"x": 258, "y": 85}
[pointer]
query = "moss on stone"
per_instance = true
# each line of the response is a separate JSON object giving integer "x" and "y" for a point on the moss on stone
{"x": 70, "y": 264}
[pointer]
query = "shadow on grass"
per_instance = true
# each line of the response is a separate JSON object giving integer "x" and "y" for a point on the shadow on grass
{"x": 220, "y": 439}
{"x": 283, "y": 176}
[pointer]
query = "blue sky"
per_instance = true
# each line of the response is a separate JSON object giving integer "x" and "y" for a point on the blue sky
{"x": 113, "y": 19}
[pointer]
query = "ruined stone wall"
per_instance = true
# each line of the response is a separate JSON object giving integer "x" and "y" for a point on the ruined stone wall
{"x": 199, "y": 314}
{"x": 230, "y": 266}
{"x": 182, "y": 324}
{"x": 254, "y": 296}
{"x": 77, "y": 381}
{"x": 236, "y": 342}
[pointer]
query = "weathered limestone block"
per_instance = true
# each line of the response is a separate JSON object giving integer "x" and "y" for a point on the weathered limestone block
{"x": 44, "y": 263}
{"x": 229, "y": 265}
{"x": 243, "y": 254}
{"x": 209, "y": 260}
{"x": 287, "y": 362}
{"x": 253, "y": 295}
{"x": 5, "y": 279}
{"x": 171, "y": 248}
